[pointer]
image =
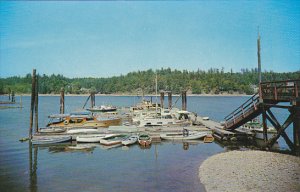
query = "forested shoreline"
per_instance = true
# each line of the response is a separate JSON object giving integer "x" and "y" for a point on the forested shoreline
{"x": 212, "y": 81}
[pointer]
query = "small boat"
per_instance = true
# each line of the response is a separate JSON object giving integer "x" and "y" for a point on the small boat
{"x": 208, "y": 138}
{"x": 52, "y": 130}
{"x": 85, "y": 130}
{"x": 112, "y": 140}
{"x": 50, "y": 140}
{"x": 102, "y": 108}
{"x": 144, "y": 140}
{"x": 205, "y": 118}
{"x": 130, "y": 140}
{"x": 90, "y": 138}
{"x": 183, "y": 136}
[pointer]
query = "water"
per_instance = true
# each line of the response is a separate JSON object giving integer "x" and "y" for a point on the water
{"x": 167, "y": 166}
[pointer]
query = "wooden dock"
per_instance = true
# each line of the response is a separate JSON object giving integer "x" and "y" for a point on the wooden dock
{"x": 223, "y": 135}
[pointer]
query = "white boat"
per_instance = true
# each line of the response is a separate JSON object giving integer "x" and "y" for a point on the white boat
{"x": 205, "y": 118}
{"x": 50, "y": 140}
{"x": 112, "y": 140}
{"x": 130, "y": 140}
{"x": 107, "y": 147}
{"x": 72, "y": 131}
{"x": 256, "y": 127}
{"x": 52, "y": 130}
{"x": 90, "y": 138}
{"x": 182, "y": 136}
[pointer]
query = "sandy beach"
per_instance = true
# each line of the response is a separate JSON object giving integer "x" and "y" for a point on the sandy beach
{"x": 251, "y": 171}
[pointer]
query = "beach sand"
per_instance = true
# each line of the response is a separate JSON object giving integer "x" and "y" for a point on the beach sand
{"x": 251, "y": 171}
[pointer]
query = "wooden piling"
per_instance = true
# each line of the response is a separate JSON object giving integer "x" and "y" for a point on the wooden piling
{"x": 32, "y": 102}
{"x": 36, "y": 106}
{"x": 170, "y": 99}
{"x": 92, "y": 99}
{"x": 162, "y": 98}
{"x": 296, "y": 127}
{"x": 13, "y": 96}
{"x": 62, "y": 101}
{"x": 184, "y": 106}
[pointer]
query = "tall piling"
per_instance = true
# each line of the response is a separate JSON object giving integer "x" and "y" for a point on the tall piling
{"x": 36, "y": 105}
{"x": 170, "y": 99}
{"x": 62, "y": 101}
{"x": 32, "y": 102}
{"x": 296, "y": 129}
{"x": 13, "y": 99}
{"x": 162, "y": 98}
{"x": 92, "y": 99}
{"x": 183, "y": 96}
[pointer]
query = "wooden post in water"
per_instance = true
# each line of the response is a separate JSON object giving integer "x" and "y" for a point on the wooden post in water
{"x": 170, "y": 99}
{"x": 162, "y": 98}
{"x": 13, "y": 96}
{"x": 32, "y": 102}
{"x": 296, "y": 127}
{"x": 183, "y": 95}
{"x": 36, "y": 106}
{"x": 62, "y": 101}
{"x": 92, "y": 99}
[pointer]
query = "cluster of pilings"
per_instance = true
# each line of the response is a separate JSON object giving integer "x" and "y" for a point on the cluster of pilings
{"x": 170, "y": 104}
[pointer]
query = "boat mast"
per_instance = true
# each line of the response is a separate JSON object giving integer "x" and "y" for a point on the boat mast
{"x": 156, "y": 93}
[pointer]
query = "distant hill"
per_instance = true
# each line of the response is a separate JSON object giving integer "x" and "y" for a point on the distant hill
{"x": 212, "y": 81}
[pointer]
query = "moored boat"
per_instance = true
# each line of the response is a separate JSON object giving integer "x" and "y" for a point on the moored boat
{"x": 144, "y": 140}
{"x": 102, "y": 108}
{"x": 130, "y": 140}
{"x": 84, "y": 130}
{"x": 90, "y": 138}
{"x": 52, "y": 130}
{"x": 112, "y": 140}
{"x": 183, "y": 136}
{"x": 81, "y": 120}
{"x": 50, "y": 140}
{"x": 208, "y": 138}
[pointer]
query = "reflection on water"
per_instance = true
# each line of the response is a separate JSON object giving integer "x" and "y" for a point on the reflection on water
{"x": 166, "y": 166}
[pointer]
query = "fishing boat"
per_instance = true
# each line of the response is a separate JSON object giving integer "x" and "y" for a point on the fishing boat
{"x": 183, "y": 136}
{"x": 50, "y": 140}
{"x": 91, "y": 138}
{"x": 144, "y": 140}
{"x": 208, "y": 138}
{"x": 102, "y": 108}
{"x": 130, "y": 140}
{"x": 51, "y": 130}
{"x": 113, "y": 140}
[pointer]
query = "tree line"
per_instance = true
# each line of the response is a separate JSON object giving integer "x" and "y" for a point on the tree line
{"x": 212, "y": 81}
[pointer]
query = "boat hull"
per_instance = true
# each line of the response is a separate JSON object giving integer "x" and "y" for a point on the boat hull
{"x": 50, "y": 140}
{"x": 144, "y": 140}
{"x": 89, "y": 139}
{"x": 183, "y": 137}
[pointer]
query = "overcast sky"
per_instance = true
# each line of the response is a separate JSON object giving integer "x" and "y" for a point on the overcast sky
{"x": 103, "y": 39}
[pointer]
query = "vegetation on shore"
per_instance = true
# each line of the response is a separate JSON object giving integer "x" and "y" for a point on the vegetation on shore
{"x": 212, "y": 81}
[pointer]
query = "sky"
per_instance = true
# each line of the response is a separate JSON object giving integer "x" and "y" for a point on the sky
{"x": 105, "y": 38}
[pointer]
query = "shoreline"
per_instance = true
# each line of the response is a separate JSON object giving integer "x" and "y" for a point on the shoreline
{"x": 250, "y": 171}
{"x": 129, "y": 95}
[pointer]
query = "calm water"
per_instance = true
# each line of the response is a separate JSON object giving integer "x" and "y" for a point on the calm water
{"x": 166, "y": 166}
